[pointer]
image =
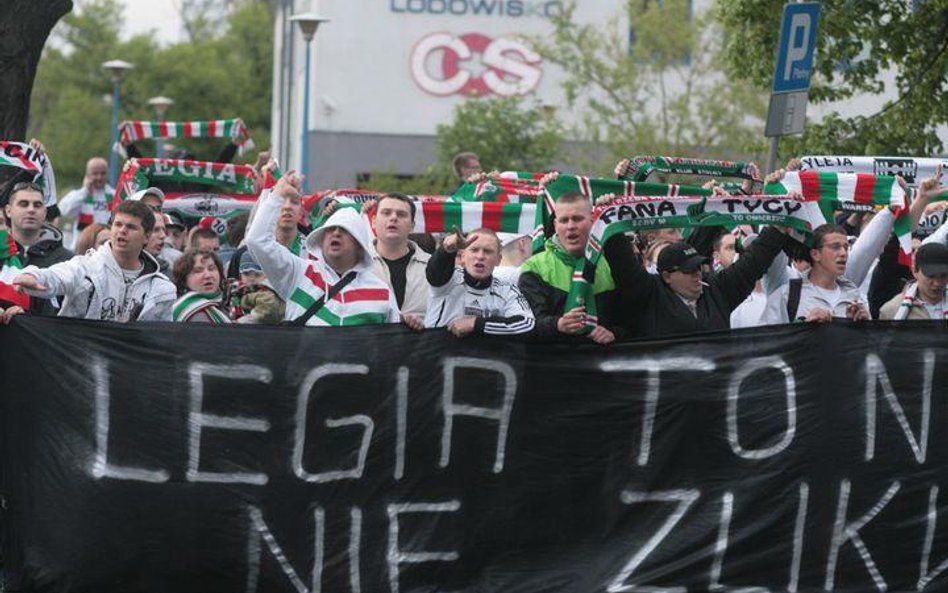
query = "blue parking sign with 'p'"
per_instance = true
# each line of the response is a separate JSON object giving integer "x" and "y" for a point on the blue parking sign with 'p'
{"x": 797, "y": 46}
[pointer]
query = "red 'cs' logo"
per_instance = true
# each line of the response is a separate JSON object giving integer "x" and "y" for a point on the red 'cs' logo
{"x": 511, "y": 68}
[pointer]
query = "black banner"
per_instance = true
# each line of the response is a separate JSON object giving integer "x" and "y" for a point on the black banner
{"x": 184, "y": 458}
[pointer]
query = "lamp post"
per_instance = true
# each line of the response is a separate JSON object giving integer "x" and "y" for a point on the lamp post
{"x": 308, "y": 23}
{"x": 116, "y": 69}
{"x": 161, "y": 105}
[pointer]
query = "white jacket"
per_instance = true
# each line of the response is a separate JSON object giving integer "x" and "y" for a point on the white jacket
{"x": 93, "y": 287}
{"x": 776, "y": 310}
{"x": 301, "y": 282}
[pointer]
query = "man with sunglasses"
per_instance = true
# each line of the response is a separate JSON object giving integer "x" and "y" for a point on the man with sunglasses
{"x": 38, "y": 243}
{"x": 823, "y": 293}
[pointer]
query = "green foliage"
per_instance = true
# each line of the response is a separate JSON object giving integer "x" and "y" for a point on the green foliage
{"x": 434, "y": 182}
{"x": 505, "y": 132}
{"x": 858, "y": 43}
{"x": 223, "y": 75}
{"x": 664, "y": 95}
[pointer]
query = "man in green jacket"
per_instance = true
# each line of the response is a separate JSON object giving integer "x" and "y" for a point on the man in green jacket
{"x": 545, "y": 279}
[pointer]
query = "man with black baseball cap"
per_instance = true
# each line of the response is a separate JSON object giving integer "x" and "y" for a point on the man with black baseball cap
{"x": 685, "y": 297}
{"x": 926, "y": 297}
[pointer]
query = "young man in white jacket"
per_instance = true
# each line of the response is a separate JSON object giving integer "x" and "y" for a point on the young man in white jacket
{"x": 469, "y": 299}
{"x": 824, "y": 292}
{"x": 119, "y": 281}
{"x": 339, "y": 250}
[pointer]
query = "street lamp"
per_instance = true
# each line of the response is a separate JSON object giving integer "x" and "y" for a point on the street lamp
{"x": 308, "y": 23}
{"x": 161, "y": 105}
{"x": 116, "y": 69}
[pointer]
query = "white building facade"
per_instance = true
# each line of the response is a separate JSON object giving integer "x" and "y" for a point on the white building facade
{"x": 385, "y": 73}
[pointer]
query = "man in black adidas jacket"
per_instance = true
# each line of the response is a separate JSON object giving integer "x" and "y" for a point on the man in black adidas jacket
{"x": 682, "y": 299}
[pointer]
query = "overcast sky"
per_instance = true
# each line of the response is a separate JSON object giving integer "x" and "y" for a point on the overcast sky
{"x": 161, "y": 16}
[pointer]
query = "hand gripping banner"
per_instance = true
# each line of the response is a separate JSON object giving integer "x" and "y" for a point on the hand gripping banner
{"x": 193, "y": 459}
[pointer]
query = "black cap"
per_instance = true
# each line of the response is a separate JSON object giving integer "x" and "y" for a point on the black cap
{"x": 680, "y": 256}
{"x": 932, "y": 259}
{"x": 175, "y": 220}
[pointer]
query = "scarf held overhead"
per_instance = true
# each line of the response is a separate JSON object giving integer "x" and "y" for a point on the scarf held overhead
{"x": 235, "y": 129}
{"x": 25, "y": 157}
{"x": 638, "y": 168}
{"x": 141, "y": 173}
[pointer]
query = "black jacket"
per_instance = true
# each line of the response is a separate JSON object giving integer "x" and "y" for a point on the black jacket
{"x": 47, "y": 251}
{"x": 655, "y": 310}
{"x": 548, "y": 301}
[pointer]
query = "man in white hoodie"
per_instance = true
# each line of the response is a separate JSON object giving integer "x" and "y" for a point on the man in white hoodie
{"x": 340, "y": 251}
{"x": 119, "y": 281}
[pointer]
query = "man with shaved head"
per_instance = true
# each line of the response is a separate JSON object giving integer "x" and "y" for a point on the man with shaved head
{"x": 90, "y": 203}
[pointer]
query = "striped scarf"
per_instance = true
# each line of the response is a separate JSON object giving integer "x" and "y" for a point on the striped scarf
{"x": 10, "y": 266}
{"x": 434, "y": 215}
{"x": 638, "y": 168}
{"x": 852, "y": 191}
{"x": 910, "y": 299}
{"x": 235, "y": 129}
{"x": 508, "y": 187}
{"x": 592, "y": 188}
{"x": 353, "y": 305}
{"x": 192, "y": 303}
{"x": 25, "y": 157}
{"x": 912, "y": 170}
{"x": 141, "y": 173}
{"x": 634, "y": 213}
{"x": 440, "y": 217}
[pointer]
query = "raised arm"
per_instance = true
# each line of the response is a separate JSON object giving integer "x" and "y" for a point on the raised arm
{"x": 280, "y": 265}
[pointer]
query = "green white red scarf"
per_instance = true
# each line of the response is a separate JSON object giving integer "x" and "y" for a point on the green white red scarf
{"x": 638, "y": 168}
{"x": 440, "y": 215}
{"x": 636, "y": 213}
{"x": 235, "y": 129}
{"x": 593, "y": 188}
{"x": 510, "y": 186}
{"x": 910, "y": 299}
{"x": 141, "y": 173}
{"x": 912, "y": 169}
{"x": 846, "y": 191}
{"x": 23, "y": 156}
{"x": 192, "y": 303}
{"x": 10, "y": 266}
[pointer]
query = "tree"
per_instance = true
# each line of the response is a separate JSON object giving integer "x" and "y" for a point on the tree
{"x": 505, "y": 132}
{"x": 508, "y": 134}
{"x": 221, "y": 75}
{"x": 859, "y": 42}
{"x": 24, "y": 27}
{"x": 661, "y": 94}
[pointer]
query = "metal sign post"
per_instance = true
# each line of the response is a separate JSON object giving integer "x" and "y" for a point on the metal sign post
{"x": 788, "y": 97}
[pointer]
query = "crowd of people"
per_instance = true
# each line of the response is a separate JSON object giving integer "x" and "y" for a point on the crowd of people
{"x": 134, "y": 262}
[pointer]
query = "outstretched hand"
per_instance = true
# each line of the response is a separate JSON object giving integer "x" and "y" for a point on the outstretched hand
{"x": 24, "y": 282}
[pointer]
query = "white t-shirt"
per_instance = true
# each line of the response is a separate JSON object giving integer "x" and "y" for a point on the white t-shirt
{"x": 831, "y": 296}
